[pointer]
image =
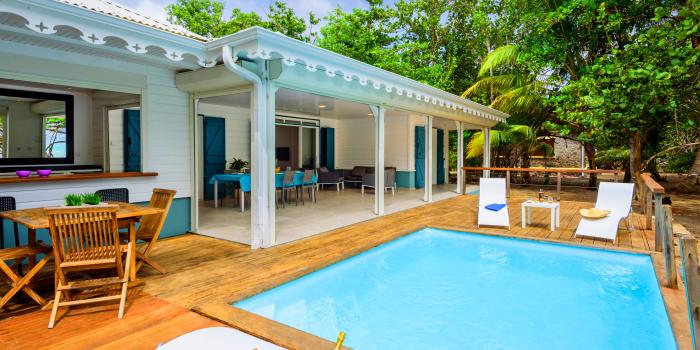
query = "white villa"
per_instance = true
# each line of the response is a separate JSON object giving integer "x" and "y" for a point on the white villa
{"x": 148, "y": 104}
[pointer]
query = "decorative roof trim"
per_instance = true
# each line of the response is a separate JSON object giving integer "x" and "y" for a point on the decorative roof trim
{"x": 95, "y": 30}
{"x": 337, "y": 66}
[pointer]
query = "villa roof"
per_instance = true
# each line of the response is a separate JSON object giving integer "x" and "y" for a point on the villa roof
{"x": 114, "y": 9}
{"x": 106, "y": 28}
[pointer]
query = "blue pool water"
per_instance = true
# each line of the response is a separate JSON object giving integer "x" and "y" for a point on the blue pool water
{"x": 437, "y": 289}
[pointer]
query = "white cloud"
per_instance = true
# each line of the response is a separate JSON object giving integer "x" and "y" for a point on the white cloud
{"x": 151, "y": 8}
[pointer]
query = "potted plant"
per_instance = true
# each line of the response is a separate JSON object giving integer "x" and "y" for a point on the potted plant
{"x": 92, "y": 199}
{"x": 73, "y": 200}
{"x": 76, "y": 200}
{"x": 238, "y": 164}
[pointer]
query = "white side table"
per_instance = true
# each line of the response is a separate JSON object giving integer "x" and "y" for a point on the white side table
{"x": 527, "y": 206}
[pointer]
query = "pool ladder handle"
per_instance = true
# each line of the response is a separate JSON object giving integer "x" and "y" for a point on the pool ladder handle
{"x": 339, "y": 342}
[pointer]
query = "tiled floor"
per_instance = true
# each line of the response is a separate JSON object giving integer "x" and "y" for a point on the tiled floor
{"x": 332, "y": 210}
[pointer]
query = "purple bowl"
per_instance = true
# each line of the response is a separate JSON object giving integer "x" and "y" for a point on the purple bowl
{"x": 43, "y": 172}
{"x": 23, "y": 174}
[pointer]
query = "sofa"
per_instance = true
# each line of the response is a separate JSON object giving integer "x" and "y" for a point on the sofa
{"x": 327, "y": 177}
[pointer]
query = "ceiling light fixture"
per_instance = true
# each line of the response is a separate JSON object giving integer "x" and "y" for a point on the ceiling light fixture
{"x": 321, "y": 106}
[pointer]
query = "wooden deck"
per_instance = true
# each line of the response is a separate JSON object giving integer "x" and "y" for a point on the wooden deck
{"x": 148, "y": 322}
{"x": 207, "y": 274}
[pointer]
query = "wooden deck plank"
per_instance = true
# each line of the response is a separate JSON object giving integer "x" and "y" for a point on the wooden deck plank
{"x": 147, "y": 322}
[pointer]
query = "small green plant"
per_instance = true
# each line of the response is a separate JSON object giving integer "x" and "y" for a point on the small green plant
{"x": 237, "y": 164}
{"x": 92, "y": 198}
{"x": 74, "y": 200}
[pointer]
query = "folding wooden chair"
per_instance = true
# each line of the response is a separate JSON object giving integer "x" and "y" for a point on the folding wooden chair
{"x": 17, "y": 283}
{"x": 150, "y": 227}
{"x": 87, "y": 238}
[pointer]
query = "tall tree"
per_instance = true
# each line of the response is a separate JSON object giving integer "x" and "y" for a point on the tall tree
{"x": 205, "y": 17}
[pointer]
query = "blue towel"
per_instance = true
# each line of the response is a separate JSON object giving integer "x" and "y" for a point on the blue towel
{"x": 495, "y": 207}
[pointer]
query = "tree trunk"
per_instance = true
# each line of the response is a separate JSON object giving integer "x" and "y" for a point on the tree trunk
{"x": 590, "y": 154}
{"x": 635, "y": 155}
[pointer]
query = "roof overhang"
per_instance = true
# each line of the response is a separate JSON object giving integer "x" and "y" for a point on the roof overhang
{"x": 312, "y": 69}
{"x": 46, "y": 18}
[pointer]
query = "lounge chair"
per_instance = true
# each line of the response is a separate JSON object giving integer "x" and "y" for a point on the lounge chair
{"x": 616, "y": 197}
{"x": 492, "y": 191}
{"x": 215, "y": 338}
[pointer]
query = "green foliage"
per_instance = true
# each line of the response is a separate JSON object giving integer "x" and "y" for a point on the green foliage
{"x": 91, "y": 198}
{"x": 206, "y": 17}
{"x": 238, "y": 164}
{"x": 613, "y": 158}
{"x": 679, "y": 163}
{"x": 73, "y": 200}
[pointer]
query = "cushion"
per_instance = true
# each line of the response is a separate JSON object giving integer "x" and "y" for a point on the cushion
{"x": 323, "y": 169}
{"x": 495, "y": 206}
{"x": 358, "y": 171}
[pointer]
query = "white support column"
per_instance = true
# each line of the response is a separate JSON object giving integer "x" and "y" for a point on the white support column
{"x": 378, "y": 112}
{"x": 487, "y": 151}
{"x": 460, "y": 157}
{"x": 197, "y": 154}
{"x": 270, "y": 236}
{"x": 262, "y": 136}
{"x": 317, "y": 156}
{"x": 300, "y": 145}
{"x": 428, "y": 189}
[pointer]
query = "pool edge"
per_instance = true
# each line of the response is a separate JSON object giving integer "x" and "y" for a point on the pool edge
{"x": 674, "y": 300}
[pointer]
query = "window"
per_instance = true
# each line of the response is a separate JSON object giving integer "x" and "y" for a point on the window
{"x": 54, "y": 136}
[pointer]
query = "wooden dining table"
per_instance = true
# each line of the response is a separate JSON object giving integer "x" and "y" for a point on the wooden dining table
{"x": 35, "y": 219}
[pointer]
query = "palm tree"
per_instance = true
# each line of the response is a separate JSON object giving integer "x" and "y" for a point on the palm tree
{"x": 516, "y": 90}
{"x": 509, "y": 143}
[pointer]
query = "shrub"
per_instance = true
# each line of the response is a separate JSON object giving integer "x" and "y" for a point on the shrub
{"x": 74, "y": 200}
{"x": 92, "y": 198}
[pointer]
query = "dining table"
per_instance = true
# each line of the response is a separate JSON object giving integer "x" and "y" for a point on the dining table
{"x": 236, "y": 177}
{"x": 35, "y": 219}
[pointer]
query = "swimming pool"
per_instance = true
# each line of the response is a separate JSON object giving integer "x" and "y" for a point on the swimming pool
{"x": 437, "y": 289}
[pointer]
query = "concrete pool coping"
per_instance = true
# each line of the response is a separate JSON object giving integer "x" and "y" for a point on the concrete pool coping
{"x": 292, "y": 338}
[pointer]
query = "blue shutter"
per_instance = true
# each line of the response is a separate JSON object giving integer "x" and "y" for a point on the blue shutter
{"x": 420, "y": 156}
{"x": 132, "y": 140}
{"x": 328, "y": 148}
{"x": 214, "y": 153}
{"x": 440, "y": 156}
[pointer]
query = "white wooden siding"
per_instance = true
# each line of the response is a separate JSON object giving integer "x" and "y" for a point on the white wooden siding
{"x": 165, "y": 125}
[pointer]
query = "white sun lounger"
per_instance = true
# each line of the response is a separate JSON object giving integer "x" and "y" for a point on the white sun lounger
{"x": 217, "y": 338}
{"x": 616, "y": 197}
{"x": 492, "y": 191}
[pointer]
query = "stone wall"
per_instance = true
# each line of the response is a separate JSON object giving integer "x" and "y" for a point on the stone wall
{"x": 567, "y": 154}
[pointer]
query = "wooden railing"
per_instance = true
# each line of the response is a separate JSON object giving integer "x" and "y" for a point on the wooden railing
{"x": 691, "y": 278}
{"x": 558, "y": 171}
{"x": 651, "y": 197}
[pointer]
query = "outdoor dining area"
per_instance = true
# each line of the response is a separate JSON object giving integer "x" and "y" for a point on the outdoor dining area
{"x": 93, "y": 247}
{"x": 285, "y": 182}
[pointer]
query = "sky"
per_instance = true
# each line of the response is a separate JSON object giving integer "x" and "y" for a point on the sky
{"x": 155, "y": 8}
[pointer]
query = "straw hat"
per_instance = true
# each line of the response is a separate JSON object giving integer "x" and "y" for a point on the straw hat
{"x": 594, "y": 213}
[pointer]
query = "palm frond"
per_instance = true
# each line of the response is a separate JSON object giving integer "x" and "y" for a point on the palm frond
{"x": 526, "y": 98}
{"x": 507, "y": 54}
{"x": 503, "y": 82}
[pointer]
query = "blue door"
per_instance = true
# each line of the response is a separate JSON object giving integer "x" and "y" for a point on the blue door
{"x": 440, "y": 156}
{"x": 132, "y": 140}
{"x": 420, "y": 156}
{"x": 328, "y": 148}
{"x": 214, "y": 153}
